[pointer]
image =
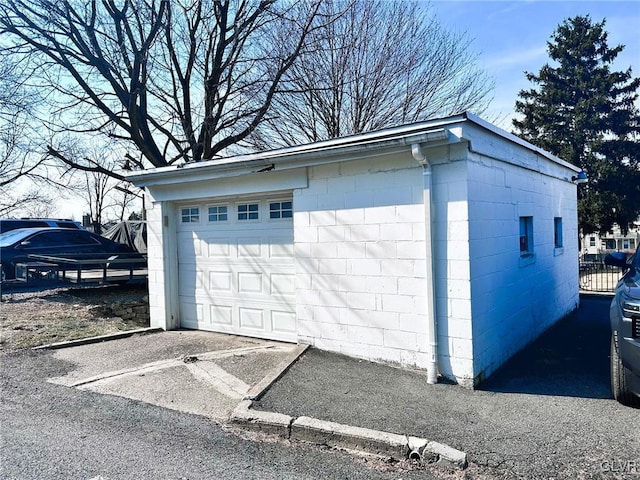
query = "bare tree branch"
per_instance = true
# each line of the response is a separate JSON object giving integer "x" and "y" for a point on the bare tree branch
{"x": 378, "y": 64}
{"x": 178, "y": 81}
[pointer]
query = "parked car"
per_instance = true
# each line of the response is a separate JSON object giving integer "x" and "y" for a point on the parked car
{"x": 7, "y": 224}
{"x": 17, "y": 245}
{"x": 625, "y": 330}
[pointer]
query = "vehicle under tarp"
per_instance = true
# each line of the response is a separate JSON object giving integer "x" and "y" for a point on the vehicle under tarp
{"x": 130, "y": 232}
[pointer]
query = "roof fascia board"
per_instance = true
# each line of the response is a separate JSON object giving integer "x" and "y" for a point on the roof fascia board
{"x": 293, "y": 158}
{"x": 429, "y": 134}
{"x": 515, "y": 139}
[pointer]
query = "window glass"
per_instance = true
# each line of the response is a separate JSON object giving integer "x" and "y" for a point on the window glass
{"x": 218, "y": 213}
{"x": 248, "y": 211}
{"x": 280, "y": 210}
{"x": 190, "y": 215}
{"x": 557, "y": 232}
{"x": 526, "y": 235}
{"x": 44, "y": 239}
{"x": 68, "y": 238}
{"x": 76, "y": 237}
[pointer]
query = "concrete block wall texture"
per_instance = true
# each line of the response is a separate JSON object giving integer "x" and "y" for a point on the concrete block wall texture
{"x": 516, "y": 299}
{"x": 360, "y": 251}
{"x": 452, "y": 268}
{"x": 155, "y": 263}
{"x": 162, "y": 263}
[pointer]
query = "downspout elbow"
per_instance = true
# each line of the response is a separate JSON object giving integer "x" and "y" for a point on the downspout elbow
{"x": 420, "y": 157}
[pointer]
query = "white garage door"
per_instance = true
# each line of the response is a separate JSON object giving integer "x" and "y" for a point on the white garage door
{"x": 236, "y": 267}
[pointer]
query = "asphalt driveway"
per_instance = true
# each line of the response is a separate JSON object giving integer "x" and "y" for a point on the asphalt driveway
{"x": 547, "y": 414}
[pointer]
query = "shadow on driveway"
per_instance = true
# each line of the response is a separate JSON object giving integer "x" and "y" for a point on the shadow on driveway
{"x": 548, "y": 413}
{"x": 570, "y": 359}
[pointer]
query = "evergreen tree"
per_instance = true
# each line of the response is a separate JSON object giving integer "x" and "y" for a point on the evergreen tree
{"x": 585, "y": 114}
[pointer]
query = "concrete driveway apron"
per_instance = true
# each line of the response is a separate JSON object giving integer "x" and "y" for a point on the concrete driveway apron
{"x": 195, "y": 372}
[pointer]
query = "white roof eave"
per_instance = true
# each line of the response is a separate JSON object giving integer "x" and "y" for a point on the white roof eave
{"x": 295, "y": 157}
{"x": 429, "y": 134}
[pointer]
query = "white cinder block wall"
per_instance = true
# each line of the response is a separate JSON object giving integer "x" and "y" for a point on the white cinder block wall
{"x": 161, "y": 264}
{"x": 360, "y": 253}
{"x": 516, "y": 299}
{"x": 155, "y": 261}
{"x": 452, "y": 267}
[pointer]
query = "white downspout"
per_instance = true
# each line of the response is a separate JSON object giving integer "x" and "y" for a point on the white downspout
{"x": 432, "y": 331}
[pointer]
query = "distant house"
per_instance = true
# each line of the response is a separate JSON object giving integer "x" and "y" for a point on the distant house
{"x": 596, "y": 246}
{"x": 446, "y": 245}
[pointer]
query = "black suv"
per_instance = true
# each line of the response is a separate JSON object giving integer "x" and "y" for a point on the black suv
{"x": 625, "y": 330}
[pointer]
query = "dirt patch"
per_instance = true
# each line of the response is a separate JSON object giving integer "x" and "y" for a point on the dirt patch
{"x": 32, "y": 318}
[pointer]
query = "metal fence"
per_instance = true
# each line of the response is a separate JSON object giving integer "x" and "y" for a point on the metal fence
{"x": 598, "y": 277}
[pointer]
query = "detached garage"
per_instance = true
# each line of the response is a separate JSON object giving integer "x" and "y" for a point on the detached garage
{"x": 446, "y": 245}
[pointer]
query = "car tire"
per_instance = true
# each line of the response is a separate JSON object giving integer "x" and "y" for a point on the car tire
{"x": 619, "y": 377}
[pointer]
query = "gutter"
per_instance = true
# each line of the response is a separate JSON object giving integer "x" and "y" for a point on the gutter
{"x": 296, "y": 157}
{"x": 432, "y": 330}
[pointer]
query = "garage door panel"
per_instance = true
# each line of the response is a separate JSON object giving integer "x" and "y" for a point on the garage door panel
{"x": 241, "y": 274}
{"x": 218, "y": 247}
{"x": 249, "y": 248}
{"x": 250, "y": 282}
{"x": 190, "y": 279}
{"x": 279, "y": 247}
{"x": 221, "y": 315}
{"x": 283, "y": 322}
{"x": 252, "y": 318}
{"x": 190, "y": 247}
{"x": 282, "y": 284}
{"x": 192, "y": 313}
{"x": 221, "y": 281}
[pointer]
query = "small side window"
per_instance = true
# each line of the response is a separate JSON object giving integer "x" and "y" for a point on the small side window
{"x": 526, "y": 236}
{"x": 190, "y": 214}
{"x": 557, "y": 232}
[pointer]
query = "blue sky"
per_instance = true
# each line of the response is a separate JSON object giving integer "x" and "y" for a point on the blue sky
{"x": 511, "y": 38}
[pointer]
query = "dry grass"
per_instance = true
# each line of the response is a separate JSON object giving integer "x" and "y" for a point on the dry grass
{"x": 29, "y": 319}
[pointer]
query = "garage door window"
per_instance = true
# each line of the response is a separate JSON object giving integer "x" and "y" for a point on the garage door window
{"x": 249, "y": 211}
{"x": 218, "y": 213}
{"x": 280, "y": 210}
{"x": 190, "y": 215}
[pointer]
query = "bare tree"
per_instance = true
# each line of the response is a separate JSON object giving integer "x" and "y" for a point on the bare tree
{"x": 104, "y": 196}
{"x": 18, "y": 158}
{"x": 123, "y": 203}
{"x": 96, "y": 188}
{"x": 177, "y": 81}
{"x": 379, "y": 64}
